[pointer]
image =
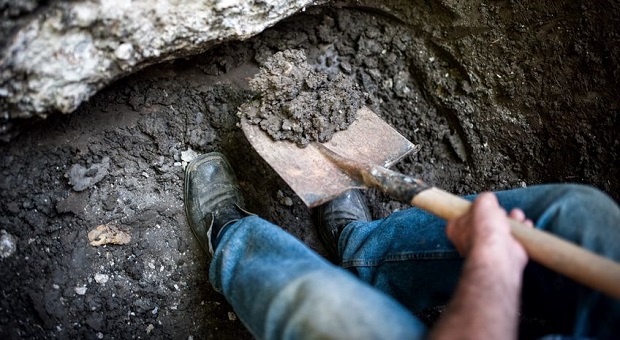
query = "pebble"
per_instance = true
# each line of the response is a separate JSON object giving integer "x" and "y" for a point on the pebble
{"x": 187, "y": 156}
{"x": 124, "y": 51}
{"x": 80, "y": 290}
{"x": 232, "y": 316}
{"x": 101, "y": 278}
{"x": 8, "y": 244}
{"x": 284, "y": 200}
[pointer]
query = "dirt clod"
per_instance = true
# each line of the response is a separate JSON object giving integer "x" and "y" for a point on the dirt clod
{"x": 83, "y": 178}
{"x": 300, "y": 103}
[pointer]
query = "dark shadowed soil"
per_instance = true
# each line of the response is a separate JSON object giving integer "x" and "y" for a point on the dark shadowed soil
{"x": 498, "y": 94}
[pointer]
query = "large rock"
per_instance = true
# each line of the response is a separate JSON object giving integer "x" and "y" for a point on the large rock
{"x": 57, "y": 56}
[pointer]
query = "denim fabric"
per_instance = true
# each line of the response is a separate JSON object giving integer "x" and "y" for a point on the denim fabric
{"x": 282, "y": 289}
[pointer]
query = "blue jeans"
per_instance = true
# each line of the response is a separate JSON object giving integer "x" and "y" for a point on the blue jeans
{"x": 401, "y": 265}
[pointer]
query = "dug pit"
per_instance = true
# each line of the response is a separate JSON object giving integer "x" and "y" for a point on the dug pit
{"x": 496, "y": 95}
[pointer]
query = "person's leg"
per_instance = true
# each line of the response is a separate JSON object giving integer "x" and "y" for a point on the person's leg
{"x": 280, "y": 288}
{"x": 584, "y": 216}
{"x": 408, "y": 256}
{"x": 276, "y": 284}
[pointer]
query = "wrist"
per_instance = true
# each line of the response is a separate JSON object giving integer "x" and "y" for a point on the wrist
{"x": 498, "y": 262}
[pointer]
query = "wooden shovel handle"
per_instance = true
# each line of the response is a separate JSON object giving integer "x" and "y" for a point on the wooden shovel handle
{"x": 566, "y": 258}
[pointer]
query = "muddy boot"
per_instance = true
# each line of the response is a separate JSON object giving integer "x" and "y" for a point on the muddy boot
{"x": 212, "y": 198}
{"x": 337, "y": 213}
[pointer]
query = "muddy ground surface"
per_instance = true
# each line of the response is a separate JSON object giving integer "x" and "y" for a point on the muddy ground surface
{"x": 498, "y": 94}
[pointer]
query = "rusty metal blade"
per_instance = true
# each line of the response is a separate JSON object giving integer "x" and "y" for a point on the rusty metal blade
{"x": 312, "y": 176}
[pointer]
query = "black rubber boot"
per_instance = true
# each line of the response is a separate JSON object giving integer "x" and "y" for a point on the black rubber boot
{"x": 337, "y": 214}
{"x": 212, "y": 198}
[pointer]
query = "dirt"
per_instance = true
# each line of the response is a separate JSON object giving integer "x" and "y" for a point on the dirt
{"x": 497, "y": 94}
{"x": 299, "y": 102}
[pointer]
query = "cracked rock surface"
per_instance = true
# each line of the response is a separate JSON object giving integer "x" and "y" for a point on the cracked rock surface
{"x": 57, "y": 55}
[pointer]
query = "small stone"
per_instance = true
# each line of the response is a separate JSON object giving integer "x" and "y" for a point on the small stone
{"x": 108, "y": 234}
{"x": 99, "y": 335}
{"x": 187, "y": 156}
{"x": 8, "y": 244}
{"x": 80, "y": 290}
{"x": 101, "y": 278}
{"x": 232, "y": 316}
{"x": 123, "y": 51}
{"x": 283, "y": 199}
{"x": 287, "y": 201}
{"x": 149, "y": 328}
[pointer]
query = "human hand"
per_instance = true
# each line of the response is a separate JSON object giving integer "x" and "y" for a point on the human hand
{"x": 484, "y": 232}
{"x": 485, "y": 304}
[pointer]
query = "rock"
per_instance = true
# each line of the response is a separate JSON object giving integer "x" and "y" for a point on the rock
{"x": 8, "y": 244}
{"x": 80, "y": 290}
{"x": 284, "y": 200}
{"x": 187, "y": 156}
{"x": 60, "y": 53}
{"x": 108, "y": 234}
{"x": 101, "y": 278}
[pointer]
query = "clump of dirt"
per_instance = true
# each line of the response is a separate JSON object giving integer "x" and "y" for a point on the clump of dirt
{"x": 300, "y": 103}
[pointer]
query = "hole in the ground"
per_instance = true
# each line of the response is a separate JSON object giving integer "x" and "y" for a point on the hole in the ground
{"x": 491, "y": 108}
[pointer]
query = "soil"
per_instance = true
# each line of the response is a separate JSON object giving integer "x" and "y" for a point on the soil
{"x": 497, "y": 94}
{"x": 300, "y": 102}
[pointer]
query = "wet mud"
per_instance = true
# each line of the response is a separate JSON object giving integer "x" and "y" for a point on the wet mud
{"x": 496, "y": 94}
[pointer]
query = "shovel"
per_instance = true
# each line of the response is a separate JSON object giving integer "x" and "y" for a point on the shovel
{"x": 358, "y": 158}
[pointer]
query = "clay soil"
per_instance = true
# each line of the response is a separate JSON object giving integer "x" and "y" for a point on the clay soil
{"x": 498, "y": 94}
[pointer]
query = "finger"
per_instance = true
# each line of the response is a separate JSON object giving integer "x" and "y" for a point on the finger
{"x": 486, "y": 200}
{"x": 486, "y": 209}
{"x": 517, "y": 214}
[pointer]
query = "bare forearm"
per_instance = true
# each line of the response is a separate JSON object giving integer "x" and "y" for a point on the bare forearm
{"x": 486, "y": 302}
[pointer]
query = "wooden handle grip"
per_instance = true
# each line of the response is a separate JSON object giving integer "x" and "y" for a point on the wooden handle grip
{"x": 566, "y": 258}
